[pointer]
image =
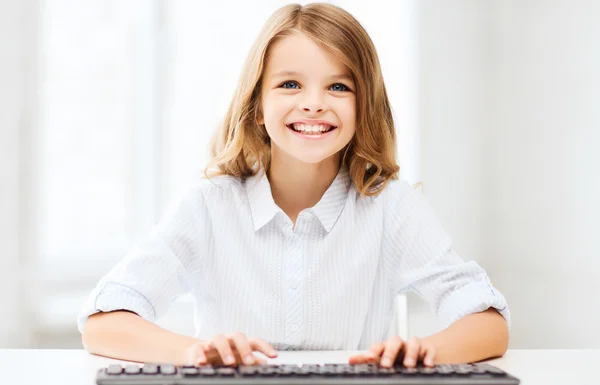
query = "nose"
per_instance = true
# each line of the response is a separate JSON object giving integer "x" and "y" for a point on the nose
{"x": 312, "y": 103}
{"x": 312, "y": 109}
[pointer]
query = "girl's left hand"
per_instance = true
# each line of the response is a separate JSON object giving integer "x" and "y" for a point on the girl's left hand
{"x": 385, "y": 353}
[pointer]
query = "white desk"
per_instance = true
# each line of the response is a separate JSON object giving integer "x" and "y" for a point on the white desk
{"x": 77, "y": 367}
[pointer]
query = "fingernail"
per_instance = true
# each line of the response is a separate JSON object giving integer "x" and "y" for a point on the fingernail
{"x": 249, "y": 360}
{"x": 229, "y": 360}
{"x": 409, "y": 362}
{"x": 370, "y": 354}
{"x": 429, "y": 362}
{"x": 386, "y": 362}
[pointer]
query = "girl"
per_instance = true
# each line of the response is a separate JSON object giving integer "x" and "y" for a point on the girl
{"x": 301, "y": 236}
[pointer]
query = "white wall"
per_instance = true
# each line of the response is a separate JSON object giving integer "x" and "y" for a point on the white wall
{"x": 510, "y": 117}
{"x": 13, "y": 79}
{"x": 542, "y": 159}
{"x": 451, "y": 67}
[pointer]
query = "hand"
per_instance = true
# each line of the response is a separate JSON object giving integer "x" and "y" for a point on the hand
{"x": 229, "y": 349}
{"x": 385, "y": 353}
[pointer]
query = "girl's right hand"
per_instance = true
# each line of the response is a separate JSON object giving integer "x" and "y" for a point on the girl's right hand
{"x": 229, "y": 349}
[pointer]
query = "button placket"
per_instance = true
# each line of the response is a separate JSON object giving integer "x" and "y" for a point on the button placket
{"x": 294, "y": 300}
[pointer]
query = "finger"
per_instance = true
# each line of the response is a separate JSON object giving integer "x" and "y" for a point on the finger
{"x": 376, "y": 351}
{"x": 195, "y": 354}
{"x": 392, "y": 346}
{"x": 359, "y": 359}
{"x": 413, "y": 346}
{"x": 429, "y": 356}
{"x": 371, "y": 355}
{"x": 223, "y": 346}
{"x": 241, "y": 343}
{"x": 263, "y": 347}
{"x": 212, "y": 354}
{"x": 260, "y": 361}
{"x": 200, "y": 356}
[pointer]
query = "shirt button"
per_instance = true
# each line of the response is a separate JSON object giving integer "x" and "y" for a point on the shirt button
{"x": 294, "y": 327}
{"x": 294, "y": 285}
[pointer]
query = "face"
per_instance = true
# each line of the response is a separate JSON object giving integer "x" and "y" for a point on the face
{"x": 308, "y": 101}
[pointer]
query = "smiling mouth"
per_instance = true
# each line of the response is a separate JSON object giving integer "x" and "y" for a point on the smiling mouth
{"x": 311, "y": 130}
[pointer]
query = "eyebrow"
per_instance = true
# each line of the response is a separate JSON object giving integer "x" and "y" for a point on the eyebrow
{"x": 294, "y": 73}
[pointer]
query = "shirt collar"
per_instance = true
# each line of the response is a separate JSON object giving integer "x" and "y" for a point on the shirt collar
{"x": 327, "y": 210}
{"x": 262, "y": 205}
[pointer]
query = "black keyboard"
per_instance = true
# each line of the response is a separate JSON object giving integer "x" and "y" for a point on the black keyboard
{"x": 328, "y": 374}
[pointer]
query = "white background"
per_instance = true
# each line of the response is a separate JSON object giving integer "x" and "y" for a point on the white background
{"x": 106, "y": 108}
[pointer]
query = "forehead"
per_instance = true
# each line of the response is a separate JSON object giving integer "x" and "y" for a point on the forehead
{"x": 299, "y": 53}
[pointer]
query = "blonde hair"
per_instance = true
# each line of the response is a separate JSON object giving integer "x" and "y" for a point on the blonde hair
{"x": 240, "y": 143}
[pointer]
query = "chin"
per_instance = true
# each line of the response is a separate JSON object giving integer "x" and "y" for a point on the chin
{"x": 312, "y": 158}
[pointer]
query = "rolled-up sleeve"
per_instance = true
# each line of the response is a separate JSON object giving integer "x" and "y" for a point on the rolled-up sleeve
{"x": 155, "y": 271}
{"x": 420, "y": 258}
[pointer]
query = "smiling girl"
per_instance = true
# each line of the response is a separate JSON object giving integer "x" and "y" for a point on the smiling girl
{"x": 301, "y": 235}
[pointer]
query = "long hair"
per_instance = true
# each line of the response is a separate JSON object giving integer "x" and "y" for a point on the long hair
{"x": 240, "y": 143}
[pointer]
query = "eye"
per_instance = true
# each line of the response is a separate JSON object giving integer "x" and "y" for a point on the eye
{"x": 289, "y": 85}
{"x": 339, "y": 87}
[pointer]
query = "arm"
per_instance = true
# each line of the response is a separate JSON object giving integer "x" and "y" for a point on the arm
{"x": 473, "y": 315}
{"x": 472, "y": 338}
{"x": 127, "y": 336}
{"x": 117, "y": 320}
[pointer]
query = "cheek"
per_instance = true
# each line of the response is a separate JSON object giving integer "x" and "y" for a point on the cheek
{"x": 347, "y": 112}
{"x": 275, "y": 108}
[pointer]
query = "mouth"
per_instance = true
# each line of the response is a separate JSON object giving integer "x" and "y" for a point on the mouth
{"x": 311, "y": 129}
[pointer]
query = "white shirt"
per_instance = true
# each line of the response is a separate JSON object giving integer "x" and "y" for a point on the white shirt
{"x": 329, "y": 283}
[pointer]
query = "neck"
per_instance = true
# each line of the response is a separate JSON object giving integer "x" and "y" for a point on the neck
{"x": 296, "y": 185}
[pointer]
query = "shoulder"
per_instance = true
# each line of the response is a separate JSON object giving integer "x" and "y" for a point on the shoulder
{"x": 209, "y": 191}
{"x": 217, "y": 186}
{"x": 396, "y": 193}
{"x": 400, "y": 193}
{"x": 403, "y": 204}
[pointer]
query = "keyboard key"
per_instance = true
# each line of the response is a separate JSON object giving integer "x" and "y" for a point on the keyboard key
{"x": 303, "y": 372}
{"x": 463, "y": 371}
{"x": 132, "y": 369}
{"x": 150, "y": 369}
{"x": 207, "y": 371}
{"x": 428, "y": 371}
{"x": 479, "y": 370}
{"x": 386, "y": 371}
{"x": 189, "y": 371}
{"x": 266, "y": 371}
{"x": 409, "y": 371}
{"x": 312, "y": 369}
{"x": 492, "y": 370}
{"x": 114, "y": 369}
{"x": 226, "y": 372}
{"x": 248, "y": 371}
{"x": 167, "y": 369}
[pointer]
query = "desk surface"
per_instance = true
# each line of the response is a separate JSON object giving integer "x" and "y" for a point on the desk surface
{"x": 78, "y": 367}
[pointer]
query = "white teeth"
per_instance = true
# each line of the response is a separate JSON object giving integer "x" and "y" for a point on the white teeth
{"x": 310, "y": 128}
